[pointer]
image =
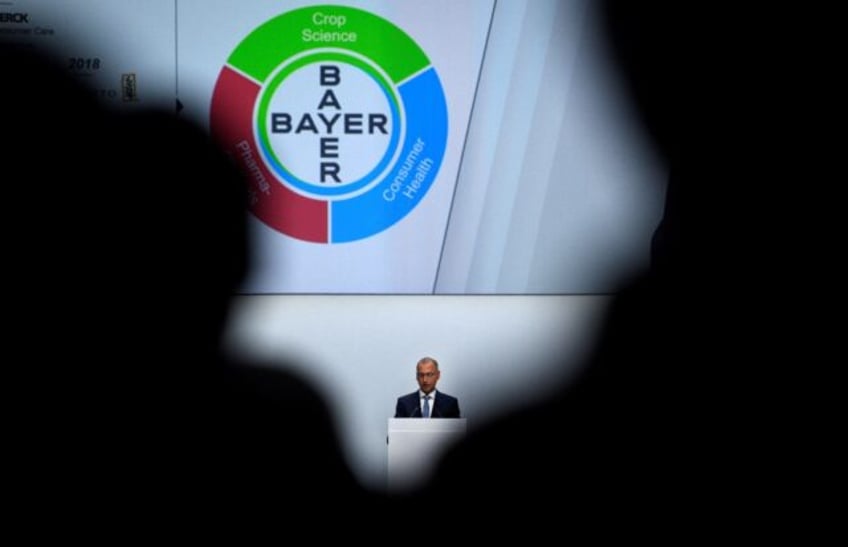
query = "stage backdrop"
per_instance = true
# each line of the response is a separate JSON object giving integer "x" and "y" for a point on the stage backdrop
{"x": 392, "y": 146}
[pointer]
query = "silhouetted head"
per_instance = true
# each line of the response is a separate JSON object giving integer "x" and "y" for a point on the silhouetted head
{"x": 181, "y": 223}
{"x": 675, "y": 58}
{"x": 689, "y": 70}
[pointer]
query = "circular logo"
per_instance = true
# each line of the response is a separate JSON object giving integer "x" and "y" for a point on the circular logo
{"x": 338, "y": 118}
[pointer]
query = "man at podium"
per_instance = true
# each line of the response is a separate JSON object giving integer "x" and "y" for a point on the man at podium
{"x": 427, "y": 402}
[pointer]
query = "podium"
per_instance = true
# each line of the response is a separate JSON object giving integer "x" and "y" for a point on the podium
{"x": 415, "y": 447}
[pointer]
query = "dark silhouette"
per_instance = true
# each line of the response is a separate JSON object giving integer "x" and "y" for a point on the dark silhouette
{"x": 662, "y": 420}
{"x": 125, "y": 235}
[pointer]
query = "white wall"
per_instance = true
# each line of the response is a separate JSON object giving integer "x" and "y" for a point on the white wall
{"x": 495, "y": 352}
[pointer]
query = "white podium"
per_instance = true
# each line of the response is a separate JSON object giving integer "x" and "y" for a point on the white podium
{"x": 415, "y": 447}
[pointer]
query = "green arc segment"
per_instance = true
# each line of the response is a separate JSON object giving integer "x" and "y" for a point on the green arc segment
{"x": 282, "y": 37}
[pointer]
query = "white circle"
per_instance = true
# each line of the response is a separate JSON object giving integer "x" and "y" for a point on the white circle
{"x": 332, "y": 134}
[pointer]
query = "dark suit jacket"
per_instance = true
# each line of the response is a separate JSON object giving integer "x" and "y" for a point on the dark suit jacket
{"x": 445, "y": 406}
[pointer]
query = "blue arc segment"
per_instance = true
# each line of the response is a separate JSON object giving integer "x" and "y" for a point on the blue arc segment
{"x": 427, "y": 123}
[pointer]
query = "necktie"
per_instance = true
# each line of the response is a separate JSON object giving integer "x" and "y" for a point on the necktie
{"x": 426, "y": 412}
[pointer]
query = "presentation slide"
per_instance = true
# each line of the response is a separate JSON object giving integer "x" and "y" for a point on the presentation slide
{"x": 391, "y": 146}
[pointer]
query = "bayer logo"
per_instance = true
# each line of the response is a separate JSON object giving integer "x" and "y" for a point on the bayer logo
{"x": 329, "y": 125}
{"x": 341, "y": 131}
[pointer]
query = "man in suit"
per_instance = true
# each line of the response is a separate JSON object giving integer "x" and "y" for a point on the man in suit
{"x": 427, "y": 402}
